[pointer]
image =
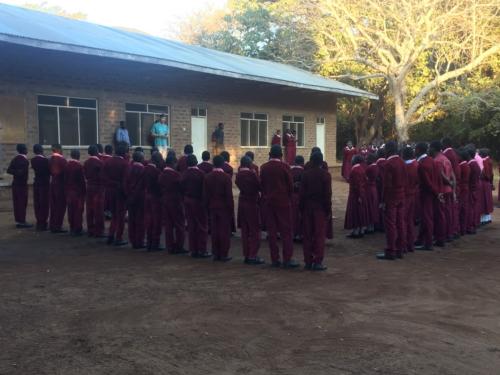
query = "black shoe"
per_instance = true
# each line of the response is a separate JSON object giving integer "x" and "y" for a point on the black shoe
{"x": 439, "y": 244}
{"x": 308, "y": 266}
{"x": 120, "y": 243}
{"x": 111, "y": 240}
{"x": 138, "y": 247}
{"x": 354, "y": 236}
{"x": 424, "y": 248}
{"x": 276, "y": 264}
{"x": 291, "y": 264}
{"x": 471, "y": 231}
{"x": 101, "y": 236}
{"x": 384, "y": 256}
{"x": 156, "y": 248}
{"x": 195, "y": 255}
{"x": 216, "y": 258}
{"x": 58, "y": 231}
{"x": 224, "y": 259}
{"x": 180, "y": 251}
{"x": 77, "y": 234}
{"x": 205, "y": 255}
{"x": 319, "y": 267}
{"x": 399, "y": 255}
{"x": 24, "y": 225}
{"x": 41, "y": 228}
{"x": 254, "y": 261}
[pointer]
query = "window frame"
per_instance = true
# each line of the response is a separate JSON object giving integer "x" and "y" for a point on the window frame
{"x": 168, "y": 113}
{"x": 258, "y": 128}
{"x": 292, "y": 121}
{"x": 57, "y": 106}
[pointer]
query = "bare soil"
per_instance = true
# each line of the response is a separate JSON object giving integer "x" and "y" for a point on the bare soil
{"x": 75, "y": 306}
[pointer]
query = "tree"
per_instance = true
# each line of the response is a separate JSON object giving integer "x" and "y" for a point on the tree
{"x": 423, "y": 42}
{"x": 55, "y": 9}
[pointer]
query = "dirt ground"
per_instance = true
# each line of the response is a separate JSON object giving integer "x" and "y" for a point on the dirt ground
{"x": 75, "y": 306}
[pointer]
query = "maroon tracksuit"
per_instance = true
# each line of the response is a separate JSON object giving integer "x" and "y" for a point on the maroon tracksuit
{"x": 196, "y": 215}
{"x": 474, "y": 181}
{"x": 182, "y": 164}
{"x": 443, "y": 222}
{"x": 218, "y": 197}
{"x": 57, "y": 165}
{"x": 226, "y": 167}
{"x": 308, "y": 165}
{"x": 248, "y": 211}
{"x": 297, "y": 172}
{"x": 356, "y": 213}
{"x": 135, "y": 192}
{"x": 453, "y": 157}
{"x": 93, "y": 169}
{"x": 115, "y": 170}
{"x": 276, "y": 140}
{"x": 428, "y": 199}
{"x": 277, "y": 190}
{"x": 380, "y": 189}
{"x": 316, "y": 206}
{"x": 41, "y": 190}
{"x": 74, "y": 185}
{"x": 206, "y": 167}
{"x": 19, "y": 169}
{"x": 153, "y": 207}
{"x": 463, "y": 197}
{"x": 486, "y": 188}
{"x": 372, "y": 172}
{"x": 172, "y": 212}
{"x": 348, "y": 154}
{"x": 411, "y": 196}
{"x": 395, "y": 184}
{"x": 108, "y": 193}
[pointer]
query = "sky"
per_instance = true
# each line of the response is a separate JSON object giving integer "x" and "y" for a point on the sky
{"x": 155, "y": 17}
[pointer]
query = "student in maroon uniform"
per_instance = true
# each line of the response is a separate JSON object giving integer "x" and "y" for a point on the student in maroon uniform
{"x": 115, "y": 171}
{"x": 41, "y": 187}
{"x": 463, "y": 190}
{"x": 297, "y": 171}
{"x": 395, "y": 184}
{"x": 429, "y": 196}
{"x": 445, "y": 183}
{"x": 308, "y": 165}
{"x": 100, "y": 150}
{"x": 75, "y": 189}
{"x": 182, "y": 162}
{"x": 372, "y": 172}
{"x": 411, "y": 195}
{"x": 254, "y": 167}
{"x": 108, "y": 154}
{"x": 452, "y": 155}
{"x": 316, "y": 206}
{"x": 486, "y": 187}
{"x": 381, "y": 160}
{"x": 348, "y": 153}
{"x": 196, "y": 216}
{"x": 205, "y": 165}
{"x": 19, "y": 169}
{"x": 135, "y": 191}
{"x": 172, "y": 211}
{"x": 57, "y": 165}
{"x": 93, "y": 169}
{"x": 276, "y": 140}
{"x": 356, "y": 214}
{"x": 248, "y": 211}
{"x": 218, "y": 197}
{"x": 474, "y": 183}
{"x": 226, "y": 167}
{"x": 277, "y": 190}
{"x": 153, "y": 206}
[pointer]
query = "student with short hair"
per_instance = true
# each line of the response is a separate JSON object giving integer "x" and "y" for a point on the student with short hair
{"x": 153, "y": 209}
{"x": 356, "y": 213}
{"x": 182, "y": 162}
{"x": 41, "y": 187}
{"x": 19, "y": 169}
{"x": 108, "y": 154}
{"x": 297, "y": 170}
{"x": 75, "y": 190}
{"x": 411, "y": 196}
{"x": 93, "y": 170}
{"x": 135, "y": 193}
{"x": 248, "y": 211}
{"x": 205, "y": 165}
{"x": 196, "y": 216}
{"x": 226, "y": 167}
{"x": 218, "y": 198}
{"x": 463, "y": 190}
{"x": 57, "y": 165}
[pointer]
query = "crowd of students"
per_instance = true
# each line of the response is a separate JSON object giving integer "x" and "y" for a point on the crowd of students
{"x": 179, "y": 195}
{"x": 421, "y": 196}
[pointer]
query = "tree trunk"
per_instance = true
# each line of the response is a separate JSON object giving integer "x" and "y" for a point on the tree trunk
{"x": 399, "y": 111}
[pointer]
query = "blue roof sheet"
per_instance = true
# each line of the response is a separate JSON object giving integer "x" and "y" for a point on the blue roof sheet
{"x": 38, "y": 29}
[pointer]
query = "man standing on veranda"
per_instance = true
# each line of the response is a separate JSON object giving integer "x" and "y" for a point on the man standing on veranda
{"x": 160, "y": 131}
{"x": 218, "y": 139}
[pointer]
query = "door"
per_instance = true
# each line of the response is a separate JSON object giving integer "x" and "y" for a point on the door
{"x": 199, "y": 133}
{"x": 320, "y": 136}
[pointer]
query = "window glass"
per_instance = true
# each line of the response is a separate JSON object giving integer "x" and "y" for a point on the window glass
{"x": 254, "y": 133}
{"x": 47, "y": 125}
{"x": 132, "y": 121}
{"x": 260, "y": 116}
{"x": 202, "y": 112}
{"x": 68, "y": 121}
{"x": 86, "y": 103}
{"x": 194, "y": 112}
{"x": 246, "y": 115}
{"x": 147, "y": 120}
{"x": 136, "y": 107}
{"x": 262, "y": 133}
{"x": 52, "y": 100}
{"x": 88, "y": 126}
{"x": 244, "y": 132}
{"x": 157, "y": 108}
{"x": 295, "y": 123}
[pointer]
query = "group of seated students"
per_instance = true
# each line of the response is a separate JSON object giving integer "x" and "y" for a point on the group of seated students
{"x": 443, "y": 192}
{"x": 176, "y": 195}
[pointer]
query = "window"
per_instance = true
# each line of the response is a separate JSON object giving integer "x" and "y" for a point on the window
{"x": 198, "y": 112}
{"x": 296, "y": 124}
{"x": 320, "y": 120}
{"x": 253, "y": 129}
{"x": 68, "y": 121}
{"x": 140, "y": 117}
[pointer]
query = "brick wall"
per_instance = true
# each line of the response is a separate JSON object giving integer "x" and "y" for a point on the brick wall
{"x": 26, "y": 72}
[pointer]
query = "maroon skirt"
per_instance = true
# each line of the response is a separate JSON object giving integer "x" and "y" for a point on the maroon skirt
{"x": 372, "y": 204}
{"x": 356, "y": 214}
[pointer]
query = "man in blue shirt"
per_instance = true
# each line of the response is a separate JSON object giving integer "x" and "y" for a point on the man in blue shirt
{"x": 160, "y": 132}
{"x": 121, "y": 135}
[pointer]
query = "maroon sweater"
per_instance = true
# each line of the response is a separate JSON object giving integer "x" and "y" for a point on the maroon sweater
{"x": 277, "y": 184}
{"x": 115, "y": 171}
{"x": 170, "y": 186}
{"x": 135, "y": 183}
{"x": 316, "y": 190}
{"x": 395, "y": 179}
{"x": 412, "y": 172}
{"x": 93, "y": 170}
{"x": 192, "y": 183}
{"x": 57, "y": 165}
{"x": 151, "y": 176}
{"x": 218, "y": 190}
{"x": 19, "y": 168}
{"x": 40, "y": 165}
{"x": 249, "y": 185}
{"x": 74, "y": 179}
{"x": 206, "y": 167}
{"x": 427, "y": 176}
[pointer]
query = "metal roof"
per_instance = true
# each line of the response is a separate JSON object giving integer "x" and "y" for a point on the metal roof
{"x": 43, "y": 30}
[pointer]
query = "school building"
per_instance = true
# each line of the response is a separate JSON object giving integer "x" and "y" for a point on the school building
{"x": 71, "y": 82}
